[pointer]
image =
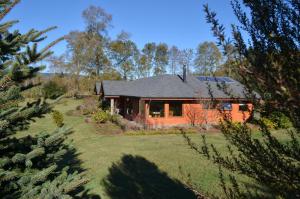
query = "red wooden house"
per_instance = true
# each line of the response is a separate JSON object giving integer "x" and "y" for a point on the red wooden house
{"x": 173, "y": 100}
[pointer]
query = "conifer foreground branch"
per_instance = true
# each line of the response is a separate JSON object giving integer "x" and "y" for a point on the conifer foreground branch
{"x": 30, "y": 166}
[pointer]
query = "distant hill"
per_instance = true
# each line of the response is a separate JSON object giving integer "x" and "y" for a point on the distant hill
{"x": 47, "y": 74}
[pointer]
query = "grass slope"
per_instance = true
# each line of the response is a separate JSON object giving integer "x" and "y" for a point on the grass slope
{"x": 98, "y": 150}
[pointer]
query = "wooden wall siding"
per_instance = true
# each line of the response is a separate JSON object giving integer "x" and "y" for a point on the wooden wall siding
{"x": 194, "y": 114}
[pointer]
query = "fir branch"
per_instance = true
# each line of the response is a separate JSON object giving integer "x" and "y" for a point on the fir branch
{"x": 7, "y": 8}
{"x": 44, "y": 52}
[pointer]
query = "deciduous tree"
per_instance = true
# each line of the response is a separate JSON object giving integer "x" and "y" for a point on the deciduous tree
{"x": 76, "y": 51}
{"x": 147, "y": 59}
{"x": 125, "y": 55}
{"x": 185, "y": 58}
{"x": 208, "y": 58}
{"x": 227, "y": 68}
{"x": 58, "y": 64}
{"x": 97, "y": 22}
{"x": 161, "y": 59}
{"x": 174, "y": 58}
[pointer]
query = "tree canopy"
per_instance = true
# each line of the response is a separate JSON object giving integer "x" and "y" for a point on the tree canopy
{"x": 208, "y": 58}
{"x": 161, "y": 59}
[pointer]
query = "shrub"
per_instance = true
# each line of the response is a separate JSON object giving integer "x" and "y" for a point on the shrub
{"x": 281, "y": 120}
{"x": 125, "y": 124}
{"x": 268, "y": 123}
{"x": 116, "y": 119}
{"x": 89, "y": 106}
{"x": 71, "y": 93}
{"x": 58, "y": 118}
{"x": 53, "y": 90}
{"x": 236, "y": 125}
{"x": 101, "y": 116}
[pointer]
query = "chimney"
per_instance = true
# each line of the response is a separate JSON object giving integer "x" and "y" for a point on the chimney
{"x": 184, "y": 73}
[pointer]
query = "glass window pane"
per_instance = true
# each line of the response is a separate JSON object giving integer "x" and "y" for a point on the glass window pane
{"x": 157, "y": 109}
{"x": 243, "y": 107}
{"x": 175, "y": 108}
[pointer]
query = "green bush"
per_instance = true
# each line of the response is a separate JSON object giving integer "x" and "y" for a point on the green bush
{"x": 268, "y": 123}
{"x": 281, "y": 120}
{"x": 115, "y": 119}
{"x": 101, "y": 116}
{"x": 237, "y": 125}
{"x": 90, "y": 105}
{"x": 58, "y": 118}
{"x": 53, "y": 90}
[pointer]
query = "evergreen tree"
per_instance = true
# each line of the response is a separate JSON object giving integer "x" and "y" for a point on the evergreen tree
{"x": 268, "y": 64}
{"x": 30, "y": 167}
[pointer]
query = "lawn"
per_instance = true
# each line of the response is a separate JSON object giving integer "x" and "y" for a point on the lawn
{"x": 99, "y": 148}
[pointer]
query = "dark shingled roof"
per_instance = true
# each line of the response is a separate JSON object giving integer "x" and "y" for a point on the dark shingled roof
{"x": 97, "y": 88}
{"x": 172, "y": 86}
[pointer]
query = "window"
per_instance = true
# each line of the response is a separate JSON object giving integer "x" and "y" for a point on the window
{"x": 243, "y": 107}
{"x": 129, "y": 108}
{"x": 175, "y": 108}
{"x": 157, "y": 109}
{"x": 226, "y": 106}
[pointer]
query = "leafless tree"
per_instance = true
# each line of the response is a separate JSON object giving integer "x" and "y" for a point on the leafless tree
{"x": 203, "y": 111}
{"x": 97, "y": 19}
{"x": 58, "y": 64}
{"x": 186, "y": 58}
{"x": 174, "y": 57}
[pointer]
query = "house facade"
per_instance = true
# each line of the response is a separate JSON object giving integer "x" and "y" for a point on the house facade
{"x": 173, "y": 100}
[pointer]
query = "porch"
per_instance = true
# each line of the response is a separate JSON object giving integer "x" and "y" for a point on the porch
{"x": 178, "y": 112}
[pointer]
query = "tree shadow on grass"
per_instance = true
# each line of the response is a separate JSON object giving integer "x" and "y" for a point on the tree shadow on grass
{"x": 75, "y": 165}
{"x": 71, "y": 159}
{"x": 135, "y": 177}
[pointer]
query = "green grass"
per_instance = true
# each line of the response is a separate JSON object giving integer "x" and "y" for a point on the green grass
{"x": 99, "y": 147}
{"x": 160, "y": 132}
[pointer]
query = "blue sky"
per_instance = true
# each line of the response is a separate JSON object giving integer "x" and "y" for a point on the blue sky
{"x": 175, "y": 22}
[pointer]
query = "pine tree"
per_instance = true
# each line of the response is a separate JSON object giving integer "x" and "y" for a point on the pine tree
{"x": 267, "y": 63}
{"x": 30, "y": 167}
